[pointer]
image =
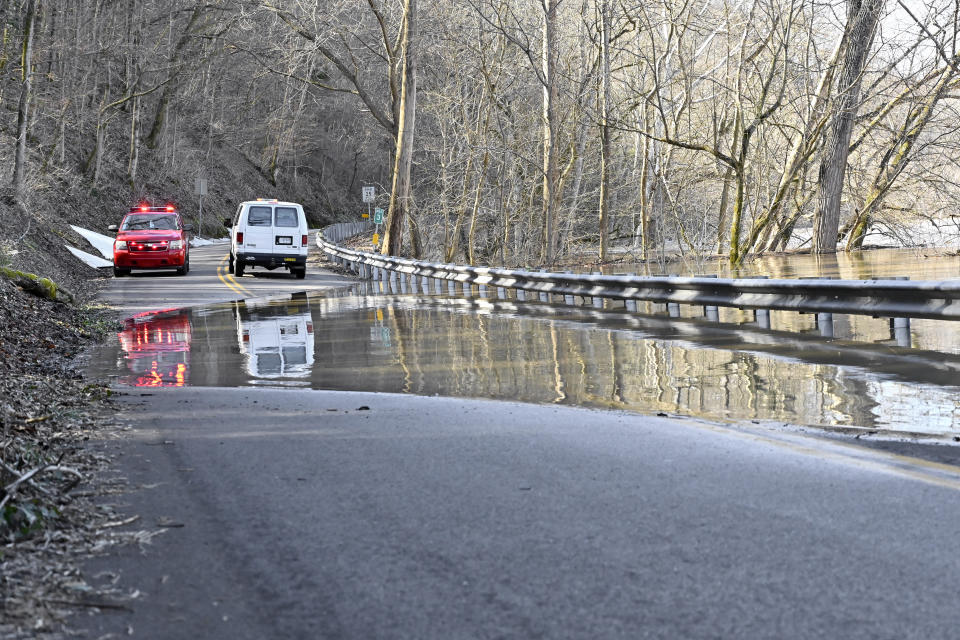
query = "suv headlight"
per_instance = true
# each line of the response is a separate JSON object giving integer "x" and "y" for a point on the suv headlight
{"x": 175, "y": 245}
{"x": 121, "y": 245}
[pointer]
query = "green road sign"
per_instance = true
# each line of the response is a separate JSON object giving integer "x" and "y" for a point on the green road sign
{"x": 378, "y": 216}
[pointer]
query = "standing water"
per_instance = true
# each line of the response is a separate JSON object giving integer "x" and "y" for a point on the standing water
{"x": 551, "y": 353}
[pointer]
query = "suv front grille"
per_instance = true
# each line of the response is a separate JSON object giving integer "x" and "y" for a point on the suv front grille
{"x": 148, "y": 246}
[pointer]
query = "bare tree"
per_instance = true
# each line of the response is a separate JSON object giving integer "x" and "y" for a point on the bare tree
{"x": 400, "y": 193}
{"x": 606, "y": 24}
{"x": 862, "y": 18}
{"x": 23, "y": 109}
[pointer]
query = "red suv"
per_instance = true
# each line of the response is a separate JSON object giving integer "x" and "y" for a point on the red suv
{"x": 151, "y": 238}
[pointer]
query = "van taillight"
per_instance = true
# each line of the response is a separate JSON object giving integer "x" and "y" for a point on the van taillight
{"x": 309, "y": 327}
{"x": 239, "y": 237}
{"x": 304, "y": 240}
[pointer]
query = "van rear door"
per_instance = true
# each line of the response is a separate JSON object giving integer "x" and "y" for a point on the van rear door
{"x": 259, "y": 230}
{"x": 286, "y": 231}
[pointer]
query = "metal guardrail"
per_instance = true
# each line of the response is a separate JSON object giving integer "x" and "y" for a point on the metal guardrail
{"x": 880, "y": 298}
{"x": 343, "y": 230}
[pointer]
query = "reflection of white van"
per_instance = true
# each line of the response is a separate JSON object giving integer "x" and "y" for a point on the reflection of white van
{"x": 277, "y": 339}
{"x": 269, "y": 234}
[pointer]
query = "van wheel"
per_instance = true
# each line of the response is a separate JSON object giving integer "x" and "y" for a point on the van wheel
{"x": 300, "y": 274}
{"x": 230, "y": 267}
{"x": 238, "y": 269}
{"x": 119, "y": 273}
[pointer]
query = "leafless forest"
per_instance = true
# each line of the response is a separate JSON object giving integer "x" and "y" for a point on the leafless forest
{"x": 506, "y": 131}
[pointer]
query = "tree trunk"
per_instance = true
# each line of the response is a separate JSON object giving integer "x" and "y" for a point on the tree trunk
{"x": 720, "y": 246}
{"x": 26, "y": 60}
{"x": 134, "y": 159}
{"x": 170, "y": 88}
{"x": 605, "y": 150}
{"x": 551, "y": 170}
{"x": 862, "y": 18}
{"x": 400, "y": 193}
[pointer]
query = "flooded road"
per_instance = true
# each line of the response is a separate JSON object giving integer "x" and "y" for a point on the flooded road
{"x": 915, "y": 264}
{"x": 549, "y": 353}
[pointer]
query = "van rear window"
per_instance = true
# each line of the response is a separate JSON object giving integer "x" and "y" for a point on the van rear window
{"x": 259, "y": 217}
{"x": 286, "y": 217}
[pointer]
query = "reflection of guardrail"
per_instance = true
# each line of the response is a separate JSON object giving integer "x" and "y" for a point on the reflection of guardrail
{"x": 881, "y": 298}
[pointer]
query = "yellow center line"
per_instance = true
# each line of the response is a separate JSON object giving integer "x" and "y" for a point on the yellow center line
{"x": 928, "y": 472}
{"x": 227, "y": 279}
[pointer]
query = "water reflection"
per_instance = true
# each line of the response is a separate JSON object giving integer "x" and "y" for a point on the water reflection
{"x": 156, "y": 349}
{"x": 555, "y": 354}
{"x": 276, "y": 339}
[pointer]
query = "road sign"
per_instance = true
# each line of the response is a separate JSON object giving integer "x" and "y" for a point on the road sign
{"x": 376, "y": 239}
{"x": 201, "y": 188}
{"x": 378, "y": 216}
{"x": 364, "y": 215}
{"x": 369, "y": 194}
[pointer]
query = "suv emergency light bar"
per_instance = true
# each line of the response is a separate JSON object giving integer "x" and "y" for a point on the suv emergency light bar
{"x": 145, "y": 208}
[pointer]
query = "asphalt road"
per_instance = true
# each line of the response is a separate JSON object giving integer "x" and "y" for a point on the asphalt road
{"x": 209, "y": 282}
{"x": 312, "y": 514}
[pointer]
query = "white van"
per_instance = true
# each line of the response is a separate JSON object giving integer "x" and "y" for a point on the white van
{"x": 268, "y": 234}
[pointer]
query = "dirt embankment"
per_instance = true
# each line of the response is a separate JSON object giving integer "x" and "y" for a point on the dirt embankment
{"x": 48, "y": 477}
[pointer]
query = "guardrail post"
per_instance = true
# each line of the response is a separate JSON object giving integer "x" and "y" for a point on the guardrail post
{"x": 762, "y": 316}
{"x": 501, "y": 293}
{"x": 437, "y": 286}
{"x": 521, "y": 295}
{"x": 631, "y": 303}
{"x": 900, "y": 331}
{"x": 825, "y": 324}
{"x": 710, "y": 312}
{"x": 481, "y": 290}
{"x": 425, "y": 284}
{"x": 673, "y": 308}
{"x": 394, "y": 287}
{"x": 597, "y": 300}
{"x": 413, "y": 283}
{"x": 452, "y": 287}
{"x": 567, "y": 298}
{"x": 900, "y": 327}
{"x": 544, "y": 296}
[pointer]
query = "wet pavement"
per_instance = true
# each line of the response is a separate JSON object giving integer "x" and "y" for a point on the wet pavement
{"x": 417, "y": 511}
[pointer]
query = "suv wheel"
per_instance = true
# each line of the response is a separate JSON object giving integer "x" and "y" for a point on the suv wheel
{"x": 119, "y": 272}
{"x": 182, "y": 271}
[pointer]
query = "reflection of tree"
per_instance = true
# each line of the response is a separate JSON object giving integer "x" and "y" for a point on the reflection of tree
{"x": 400, "y": 329}
{"x": 467, "y": 352}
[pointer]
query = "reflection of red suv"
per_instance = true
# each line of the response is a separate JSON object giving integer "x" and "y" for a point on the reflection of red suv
{"x": 156, "y": 346}
{"x": 151, "y": 238}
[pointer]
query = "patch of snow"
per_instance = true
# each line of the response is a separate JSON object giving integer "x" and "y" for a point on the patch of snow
{"x": 204, "y": 242}
{"x": 100, "y": 242}
{"x": 89, "y": 258}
